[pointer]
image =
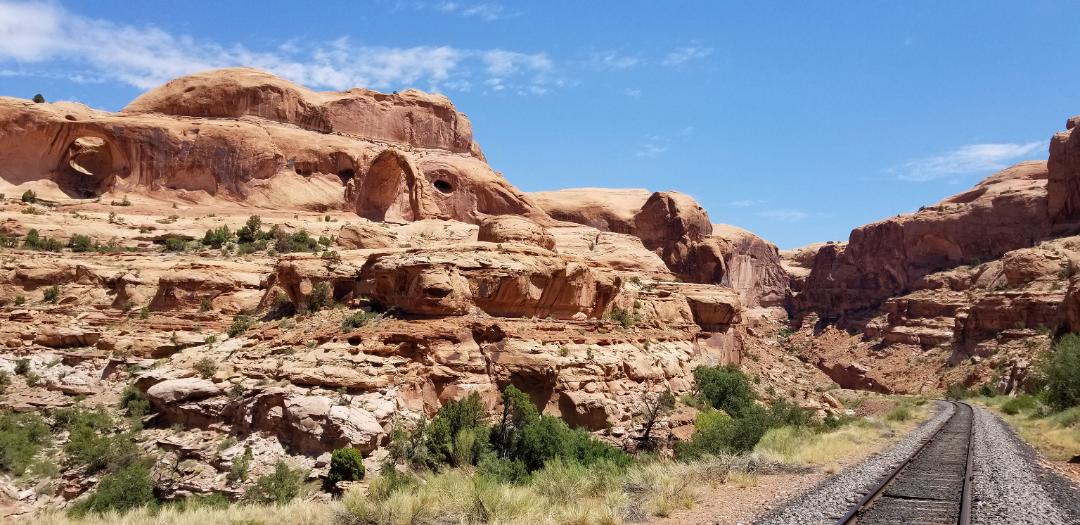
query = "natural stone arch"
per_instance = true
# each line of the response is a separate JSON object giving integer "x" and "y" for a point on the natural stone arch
{"x": 391, "y": 190}
{"x": 90, "y": 164}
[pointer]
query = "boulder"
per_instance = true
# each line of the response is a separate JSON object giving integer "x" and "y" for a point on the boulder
{"x": 514, "y": 229}
{"x": 185, "y": 389}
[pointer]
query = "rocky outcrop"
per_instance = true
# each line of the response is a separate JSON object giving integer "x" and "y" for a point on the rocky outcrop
{"x": 1063, "y": 181}
{"x": 517, "y": 230}
{"x": 410, "y": 117}
{"x": 1005, "y": 212}
{"x": 507, "y": 281}
{"x": 678, "y": 230}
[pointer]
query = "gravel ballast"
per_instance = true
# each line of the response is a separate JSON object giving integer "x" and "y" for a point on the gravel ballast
{"x": 830, "y": 499}
{"x": 1010, "y": 486}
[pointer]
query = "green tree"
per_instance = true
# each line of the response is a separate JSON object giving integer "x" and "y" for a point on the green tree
{"x": 1060, "y": 371}
{"x": 726, "y": 388}
{"x": 346, "y": 464}
{"x": 39, "y": 99}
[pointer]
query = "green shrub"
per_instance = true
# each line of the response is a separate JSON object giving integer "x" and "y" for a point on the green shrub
{"x": 91, "y": 441}
{"x": 346, "y": 464}
{"x": 1019, "y": 403}
{"x": 279, "y": 488}
{"x": 195, "y": 502}
{"x": 358, "y": 319}
{"x": 20, "y": 300}
{"x": 726, "y": 388}
{"x": 22, "y": 366}
{"x": 51, "y": 294}
{"x": 1060, "y": 371}
{"x": 624, "y": 317}
{"x": 250, "y": 231}
{"x": 320, "y": 297}
{"x": 81, "y": 243}
{"x": 134, "y": 402}
{"x": 126, "y": 489}
{"x": 5, "y": 380}
{"x": 957, "y": 391}
{"x": 238, "y": 472}
{"x": 21, "y": 437}
{"x": 29, "y": 197}
{"x": 240, "y": 324}
{"x": 898, "y": 413}
{"x": 35, "y": 241}
{"x": 206, "y": 367}
{"x": 300, "y": 241}
{"x": 217, "y": 237}
{"x": 175, "y": 244}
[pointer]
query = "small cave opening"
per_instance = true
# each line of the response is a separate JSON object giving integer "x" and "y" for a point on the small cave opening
{"x": 346, "y": 175}
{"x": 443, "y": 186}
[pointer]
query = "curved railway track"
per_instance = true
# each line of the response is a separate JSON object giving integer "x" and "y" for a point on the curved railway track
{"x": 933, "y": 486}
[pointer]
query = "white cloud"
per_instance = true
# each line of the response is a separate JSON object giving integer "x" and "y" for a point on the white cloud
{"x": 144, "y": 57}
{"x": 747, "y": 203}
{"x": 632, "y": 92}
{"x": 612, "y": 60}
{"x": 972, "y": 158}
{"x": 488, "y": 11}
{"x": 653, "y": 146}
{"x": 681, "y": 56}
{"x": 784, "y": 215}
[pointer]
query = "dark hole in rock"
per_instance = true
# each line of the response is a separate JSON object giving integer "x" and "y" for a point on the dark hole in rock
{"x": 443, "y": 186}
{"x": 346, "y": 175}
{"x": 69, "y": 117}
{"x": 189, "y": 89}
{"x": 437, "y": 292}
{"x": 354, "y": 340}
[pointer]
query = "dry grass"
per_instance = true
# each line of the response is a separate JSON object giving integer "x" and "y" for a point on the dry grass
{"x": 298, "y": 513}
{"x": 1056, "y": 436}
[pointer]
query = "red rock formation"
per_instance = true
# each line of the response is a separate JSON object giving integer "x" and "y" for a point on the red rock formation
{"x": 1063, "y": 184}
{"x": 1004, "y": 212}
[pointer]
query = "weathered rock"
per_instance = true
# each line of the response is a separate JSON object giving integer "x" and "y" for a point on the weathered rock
{"x": 363, "y": 236}
{"x": 172, "y": 391}
{"x": 514, "y": 229}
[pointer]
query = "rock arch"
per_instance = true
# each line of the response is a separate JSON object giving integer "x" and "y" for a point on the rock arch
{"x": 391, "y": 190}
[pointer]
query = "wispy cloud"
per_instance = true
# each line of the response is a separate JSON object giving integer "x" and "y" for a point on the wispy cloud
{"x": 653, "y": 146}
{"x": 683, "y": 55}
{"x": 632, "y": 92}
{"x": 972, "y": 158}
{"x": 489, "y": 11}
{"x": 784, "y": 215}
{"x": 44, "y": 34}
{"x": 747, "y": 203}
{"x": 613, "y": 60}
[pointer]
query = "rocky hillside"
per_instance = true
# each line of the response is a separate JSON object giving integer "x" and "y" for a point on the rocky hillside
{"x": 967, "y": 290}
{"x": 290, "y": 272}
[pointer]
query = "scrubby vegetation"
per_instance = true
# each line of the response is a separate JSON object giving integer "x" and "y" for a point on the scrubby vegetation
{"x": 240, "y": 324}
{"x": 21, "y": 437}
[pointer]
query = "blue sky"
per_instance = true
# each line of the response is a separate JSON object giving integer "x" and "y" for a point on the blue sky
{"x": 796, "y": 120}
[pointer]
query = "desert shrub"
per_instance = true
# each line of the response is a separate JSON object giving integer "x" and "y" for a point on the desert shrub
{"x": 726, "y": 388}
{"x": 1019, "y": 403}
{"x": 250, "y": 231}
{"x": 300, "y": 241}
{"x": 134, "y": 402}
{"x": 324, "y": 240}
{"x": 240, "y": 324}
{"x": 21, "y": 437}
{"x": 346, "y": 464}
{"x": 195, "y": 502}
{"x": 5, "y": 381}
{"x": 20, "y": 300}
{"x": 456, "y": 432}
{"x": 127, "y": 488}
{"x": 217, "y": 237}
{"x": 898, "y": 413}
{"x": 175, "y": 244}
{"x": 29, "y": 197}
{"x": 35, "y": 241}
{"x": 279, "y": 487}
{"x": 320, "y": 297}
{"x": 240, "y": 466}
{"x": 957, "y": 391}
{"x": 81, "y": 243}
{"x": 124, "y": 202}
{"x": 8, "y": 241}
{"x": 38, "y": 99}
{"x": 206, "y": 304}
{"x": 624, "y": 317}
{"x": 206, "y": 367}
{"x": 1060, "y": 371}
{"x": 358, "y": 319}
{"x": 91, "y": 441}
{"x": 22, "y": 366}
{"x": 51, "y": 294}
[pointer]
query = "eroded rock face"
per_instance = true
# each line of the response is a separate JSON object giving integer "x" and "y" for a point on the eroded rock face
{"x": 410, "y": 117}
{"x": 510, "y": 281}
{"x": 516, "y": 230}
{"x": 1006, "y": 211}
{"x": 1063, "y": 184}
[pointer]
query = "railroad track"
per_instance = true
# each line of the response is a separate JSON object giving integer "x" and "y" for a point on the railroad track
{"x": 933, "y": 486}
